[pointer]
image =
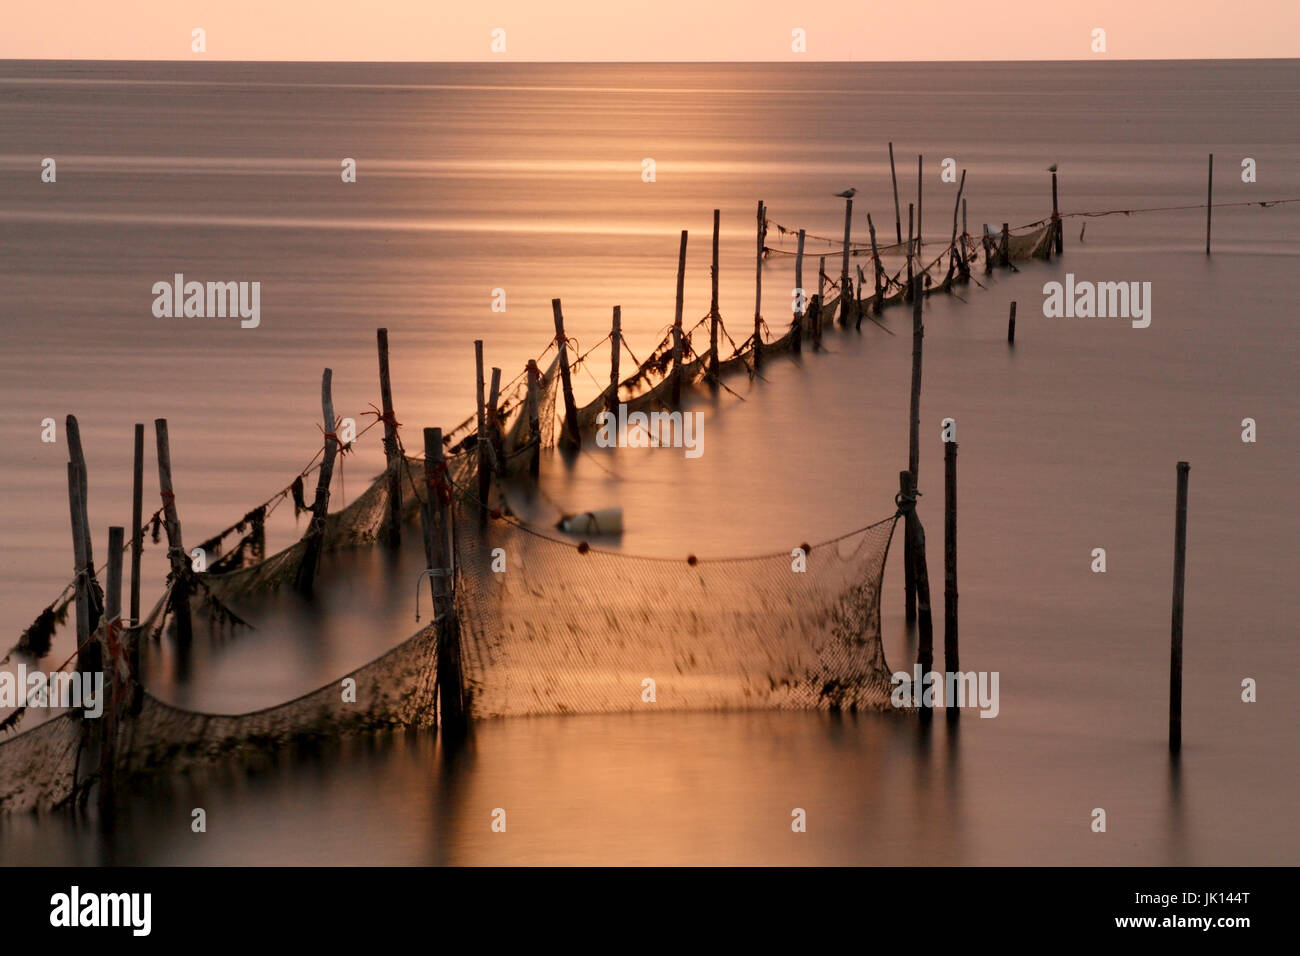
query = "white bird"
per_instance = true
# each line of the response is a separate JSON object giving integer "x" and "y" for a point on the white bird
{"x": 847, "y": 194}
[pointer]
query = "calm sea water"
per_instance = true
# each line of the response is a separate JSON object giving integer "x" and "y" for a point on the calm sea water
{"x": 528, "y": 178}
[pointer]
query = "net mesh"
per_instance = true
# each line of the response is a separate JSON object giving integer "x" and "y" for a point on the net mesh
{"x": 566, "y": 628}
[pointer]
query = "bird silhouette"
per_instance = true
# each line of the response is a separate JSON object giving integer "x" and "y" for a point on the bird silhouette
{"x": 847, "y": 194}
{"x": 1052, "y": 168}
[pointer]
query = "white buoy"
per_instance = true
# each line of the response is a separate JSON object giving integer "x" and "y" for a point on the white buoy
{"x": 604, "y": 521}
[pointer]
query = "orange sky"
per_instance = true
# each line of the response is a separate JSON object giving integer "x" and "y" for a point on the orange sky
{"x": 649, "y": 29}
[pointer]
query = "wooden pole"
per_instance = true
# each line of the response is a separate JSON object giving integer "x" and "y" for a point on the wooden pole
{"x": 758, "y": 286}
{"x": 113, "y": 687}
{"x": 965, "y": 265}
{"x": 570, "y": 433}
{"x": 534, "y": 377}
{"x": 800, "y": 296}
{"x": 956, "y": 209}
{"x": 677, "y": 324}
{"x": 893, "y": 175}
{"x": 918, "y": 334}
{"x": 176, "y": 556}
{"x": 438, "y": 554}
{"x": 713, "y": 304}
{"x": 905, "y": 497}
{"x": 494, "y": 423}
{"x": 93, "y": 595}
{"x": 875, "y": 259}
{"x": 919, "y": 182}
{"x": 392, "y": 453}
{"x": 88, "y": 659}
{"x": 1176, "y": 625}
{"x": 1056, "y": 219}
{"x": 815, "y": 319}
{"x": 137, "y": 523}
{"x": 924, "y": 620}
{"x": 846, "y": 282}
{"x": 484, "y": 463}
{"x": 315, "y": 536}
{"x": 1006, "y": 244}
{"x": 615, "y": 353}
{"x": 1209, "y": 204}
{"x": 907, "y": 296}
{"x": 951, "y": 656}
{"x": 1011, "y": 325}
{"x": 816, "y": 315}
{"x": 857, "y": 309}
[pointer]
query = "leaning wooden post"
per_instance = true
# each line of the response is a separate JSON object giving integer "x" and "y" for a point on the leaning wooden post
{"x": 907, "y": 293}
{"x": 816, "y": 317}
{"x": 571, "y": 436}
{"x": 677, "y": 324}
{"x": 919, "y": 183}
{"x": 846, "y": 301}
{"x": 137, "y": 523}
{"x": 875, "y": 259}
{"x": 113, "y": 687}
{"x": 438, "y": 554}
{"x": 758, "y": 286}
{"x": 898, "y": 219}
{"x": 314, "y": 539}
{"x": 615, "y": 353}
{"x": 1059, "y": 228}
{"x": 800, "y": 297}
{"x": 1176, "y": 626}
{"x": 713, "y": 305}
{"x": 965, "y": 266}
{"x": 494, "y": 423}
{"x": 951, "y": 656}
{"x": 392, "y": 453}
{"x": 952, "y": 245}
{"x": 1011, "y": 325}
{"x": 924, "y": 619}
{"x": 88, "y": 659}
{"x": 176, "y": 556}
{"x": 1209, "y": 204}
{"x": 534, "y": 377}
{"x": 483, "y": 442}
{"x": 93, "y": 595}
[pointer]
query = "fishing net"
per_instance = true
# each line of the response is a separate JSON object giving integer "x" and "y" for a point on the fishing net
{"x": 565, "y": 628}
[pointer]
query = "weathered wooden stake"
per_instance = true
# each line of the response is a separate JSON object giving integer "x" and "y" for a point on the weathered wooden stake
{"x": 846, "y": 281}
{"x": 816, "y": 317}
{"x": 113, "y": 686}
{"x": 615, "y": 353}
{"x": 1176, "y": 625}
{"x": 713, "y": 305}
{"x": 677, "y": 324}
{"x": 924, "y": 618}
{"x": 877, "y": 305}
{"x": 918, "y": 334}
{"x": 88, "y": 659}
{"x": 494, "y": 423}
{"x": 951, "y": 656}
{"x": 88, "y": 593}
{"x": 1011, "y": 325}
{"x": 392, "y": 453}
{"x": 965, "y": 265}
{"x": 919, "y": 181}
{"x": 570, "y": 435}
{"x": 438, "y": 554}
{"x": 137, "y": 523}
{"x": 909, "y": 565}
{"x": 815, "y": 320}
{"x": 1059, "y": 238}
{"x": 952, "y": 260}
{"x": 758, "y": 286}
{"x": 483, "y": 439}
{"x": 1209, "y": 204}
{"x": 176, "y": 556}
{"x": 1005, "y": 244}
{"x": 315, "y": 536}
{"x": 898, "y": 219}
{"x": 534, "y": 375}
{"x": 907, "y": 295}
{"x": 800, "y": 297}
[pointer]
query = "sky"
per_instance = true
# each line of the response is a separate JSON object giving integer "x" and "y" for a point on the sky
{"x": 648, "y": 30}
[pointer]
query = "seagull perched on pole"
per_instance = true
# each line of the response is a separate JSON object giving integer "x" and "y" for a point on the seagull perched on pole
{"x": 1052, "y": 168}
{"x": 847, "y": 194}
